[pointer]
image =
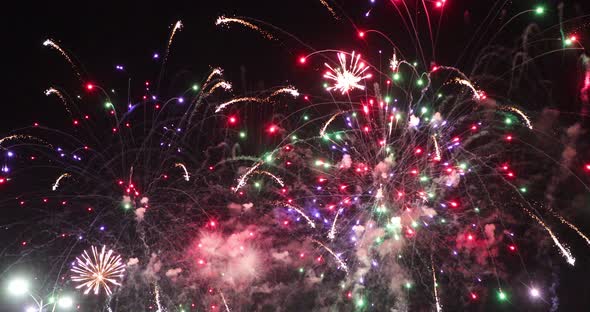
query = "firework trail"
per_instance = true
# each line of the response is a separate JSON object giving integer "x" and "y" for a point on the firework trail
{"x": 186, "y": 175}
{"x": 348, "y": 76}
{"x": 436, "y": 148}
{"x": 16, "y": 137}
{"x": 244, "y": 178}
{"x": 435, "y": 285}
{"x": 177, "y": 27}
{"x": 287, "y": 90}
{"x": 56, "y": 184}
{"x": 564, "y": 251}
{"x": 224, "y": 302}
{"x": 521, "y": 114}
{"x": 465, "y": 82}
{"x": 325, "y": 4}
{"x": 222, "y": 20}
{"x": 573, "y": 227}
{"x": 55, "y": 46}
{"x": 274, "y": 177}
{"x": 341, "y": 264}
{"x": 221, "y": 84}
{"x": 157, "y": 297}
{"x": 332, "y": 233}
{"x": 301, "y": 213}
{"x": 51, "y": 91}
{"x": 98, "y": 271}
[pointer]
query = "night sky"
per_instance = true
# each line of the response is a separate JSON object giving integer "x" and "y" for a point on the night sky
{"x": 101, "y": 35}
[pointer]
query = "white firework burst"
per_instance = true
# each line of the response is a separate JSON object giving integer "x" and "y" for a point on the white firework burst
{"x": 98, "y": 270}
{"x": 348, "y": 76}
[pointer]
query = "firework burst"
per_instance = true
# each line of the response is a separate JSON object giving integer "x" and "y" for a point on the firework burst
{"x": 349, "y": 75}
{"x": 98, "y": 270}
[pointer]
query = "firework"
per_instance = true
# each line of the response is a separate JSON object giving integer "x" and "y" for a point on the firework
{"x": 52, "y": 44}
{"x": 286, "y": 90}
{"x": 300, "y": 212}
{"x": 56, "y": 184}
{"x": 325, "y": 4}
{"x": 98, "y": 270}
{"x": 410, "y": 182}
{"x": 341, "y": 264}
{"x": 348, "y": 76}
{"x": 51, "y": 91}
{"x": 186, "y": 175}
{"x": 222, "y": 20}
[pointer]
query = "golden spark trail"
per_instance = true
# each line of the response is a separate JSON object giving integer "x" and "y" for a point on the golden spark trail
{"x": 323, "y": 131}
{"x": 56, "y": 184}
{"x": 573, "y": 227}
{"x": 216, "y": 71}
{"x": 325, "y": 4}
{"x": 277, "y": 179}
{"x": 61, "y": 97}
{"x": 519, "y": 112}
{"x": 244, "y": 178}
{"x": 564, "y": 251}
{"x": 54, "y": 45}
{"x": 186, "y": 175}
{"x": 287, "y": 90}
{"x": 309, "y": 221}
{"x": 222, "y": 84}
{"x": 226, "y": 20}
{"x": 177, "y": 27}
{"x": 465, "y": 82}
{"x": 21, "y": 137}
{"x": 341, "y": 263}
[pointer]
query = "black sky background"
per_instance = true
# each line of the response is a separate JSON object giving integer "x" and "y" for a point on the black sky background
{"x": 102, "y": 34}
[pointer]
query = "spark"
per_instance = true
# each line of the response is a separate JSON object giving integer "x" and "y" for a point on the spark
{"x": 15, "y": 137}
{"x": 52, "y": 90}
{"x": 274, "y": 177}
{"x": 99, "y": 270}
{"x": 54, "y": 45}
{"x": 521, "y": 114}
{"x": 157, "y": 292}
{"x": 244, "y": 178}
{"x": 438, "y": 306}
{"x": 564, "y": 251}
{"x": 286, "y": 90}
{"x": 186, "y": 175}
{"x": 394, "y": 63}
{"x": 177, "y": 27}
{"x": 56, "y": 184}
{"x": 347, "y": 77}
{"x": 221, "y": 84}
{"x": 436, "y": 148}
{"x": 215, "y": 72}
{"x": 341, "y": 264}
{"x": 224, "y": 302}
{"x": 323, "y": 131}
{"x": 222, "y": 20}
{"x": 465, "y": 82}
{"x": 325, "y": 4}
{"x": 309, "y": 221}
{"x": 573, "y": 227}
{"x": 332, "y": 233}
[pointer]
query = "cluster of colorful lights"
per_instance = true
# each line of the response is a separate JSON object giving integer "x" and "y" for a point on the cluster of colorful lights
{"x": 397, "y": 179}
